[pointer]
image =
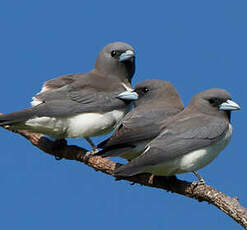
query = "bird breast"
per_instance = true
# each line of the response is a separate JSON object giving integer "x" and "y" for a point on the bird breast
{"x": 194, "y": 160}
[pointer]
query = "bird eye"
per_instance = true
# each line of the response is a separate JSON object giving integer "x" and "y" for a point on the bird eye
{"x": 113, "y": 53}
{"x": 145, "y": 90}
{"x": 215, "y": 100}
{"x": 211, "y": 100}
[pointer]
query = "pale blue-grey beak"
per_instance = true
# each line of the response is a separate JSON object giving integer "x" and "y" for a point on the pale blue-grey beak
{"x": 128, "y": 54}
{"x": 229, "y": 105}
{"x": 128, "y": 95}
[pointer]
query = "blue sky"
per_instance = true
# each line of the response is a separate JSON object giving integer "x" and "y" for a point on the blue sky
{"x": 194, "y": 44}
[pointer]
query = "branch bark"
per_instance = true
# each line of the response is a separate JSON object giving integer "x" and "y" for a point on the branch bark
{"x": 227, "y": 204}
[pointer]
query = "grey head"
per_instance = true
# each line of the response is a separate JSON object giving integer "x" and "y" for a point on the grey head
{"x": 116, "y": 59}
{"x": 158, "y": 92}
{"x": 217, "y": 102}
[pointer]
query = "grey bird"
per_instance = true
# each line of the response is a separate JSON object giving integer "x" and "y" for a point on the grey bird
{"x": 157, "y": 101}
{"x": 82, "y": 105}
{"x": 189, "y": 140}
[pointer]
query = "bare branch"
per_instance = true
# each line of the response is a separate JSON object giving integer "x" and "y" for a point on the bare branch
{"x": 227, "y": 204}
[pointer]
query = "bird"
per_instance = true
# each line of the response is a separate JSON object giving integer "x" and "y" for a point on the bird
{"x": 189, "y": 140}
{"x": 157, "y": 101}
{"x": 82, "y": 105}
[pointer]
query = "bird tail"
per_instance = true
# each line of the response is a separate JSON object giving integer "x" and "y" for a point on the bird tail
{"x": 126, "y": 170}
{"x": 104, "y": 153}
{"x": 112, "y": 151}
{"x": 16, "y": 117}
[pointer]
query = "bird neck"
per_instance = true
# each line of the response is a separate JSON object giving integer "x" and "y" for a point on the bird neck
{"x": 123, "y": 71}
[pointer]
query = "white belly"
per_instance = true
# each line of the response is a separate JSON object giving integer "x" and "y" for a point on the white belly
{"x": 194, "y": 160}
{"x": 82, "y": 125}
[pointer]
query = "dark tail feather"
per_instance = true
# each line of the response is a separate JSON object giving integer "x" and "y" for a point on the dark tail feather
{"x": 102, "y": 144}
{"x": 102, "y": 153}
{"x": 16, "y": 117}
{"x": 130, "y": 169}
{"x": 125, "y": 171}
{"x": 113, "y": 151}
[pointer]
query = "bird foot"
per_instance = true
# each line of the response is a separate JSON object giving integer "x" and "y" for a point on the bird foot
{"x": 90, "y": 153}
{"x": 198, "y": 183}
{"x": 90, "y": 142}
{"x": 58, "y": 144}
{"x": 201, "y": 181}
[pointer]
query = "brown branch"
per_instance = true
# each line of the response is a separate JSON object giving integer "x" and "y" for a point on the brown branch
{"x": 227, "y": 204}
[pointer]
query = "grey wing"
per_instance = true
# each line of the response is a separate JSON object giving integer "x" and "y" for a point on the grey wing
{"x": 91, "y": 100}
{"x": 70, "y": 101}
{"x": 61, "y": 81}
{"x": 137, "y": 125}
{"x": 172, "y": 143}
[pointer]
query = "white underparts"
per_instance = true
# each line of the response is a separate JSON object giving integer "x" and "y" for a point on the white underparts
{"x": 81, "y": 125}
{"x": 194, "y": 160}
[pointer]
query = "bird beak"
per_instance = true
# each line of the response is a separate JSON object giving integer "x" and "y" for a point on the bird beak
{"x": 229, "y": 105}
{"x": 128, "y": 95}
{"x": 128, "y": 54}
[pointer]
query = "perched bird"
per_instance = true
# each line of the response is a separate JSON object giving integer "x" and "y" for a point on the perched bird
{"x": 157, "y": 101}
{"x": 189, "y": 140}
{"x": 82, "y": 105}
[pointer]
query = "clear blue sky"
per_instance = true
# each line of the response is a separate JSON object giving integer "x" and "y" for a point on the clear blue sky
{"x": 194, "y": 44}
